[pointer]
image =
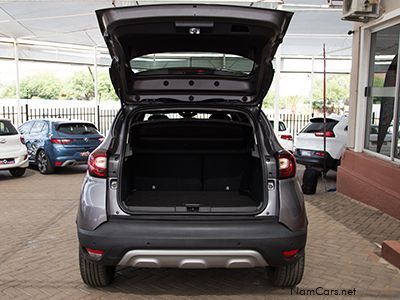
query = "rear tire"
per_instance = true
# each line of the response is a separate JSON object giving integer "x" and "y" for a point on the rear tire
{"x": 43, "y": 163}
{"x": 17, "y": 172}
{"x": 95, "y": 275}
{"x": 289, "y": 275}
{"x": 310, "y": 181}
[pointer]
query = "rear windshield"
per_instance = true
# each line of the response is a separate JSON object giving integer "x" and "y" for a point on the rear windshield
{"x": 77, "y": 128}
{"x": 317, "y": 125}
{"x": 191, "y": 63}
{"x": 6, "y": 128}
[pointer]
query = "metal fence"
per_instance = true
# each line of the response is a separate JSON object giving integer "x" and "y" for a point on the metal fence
{"x": 294, "y": 122}
{"x": 105, "y": 116}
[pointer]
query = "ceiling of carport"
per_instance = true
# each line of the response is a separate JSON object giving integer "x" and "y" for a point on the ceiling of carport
{"x": 74, "y": 22}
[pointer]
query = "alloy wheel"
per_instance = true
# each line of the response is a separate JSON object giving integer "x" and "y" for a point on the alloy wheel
{"x": 42, "y": 162}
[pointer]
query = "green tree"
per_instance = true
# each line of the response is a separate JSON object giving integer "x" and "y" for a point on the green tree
{"x": 269, "y": 100}
{"x": 106, "y": 89}
{"x": 47, "y": 86}
{"x": 293, "y": 102}
{"x": 43, "y": 86}
{"x": 8, "y": 91}
{"x": 379, "y": 80}
{"x": 337, "y": 88}
{"x": 79, "y": 86}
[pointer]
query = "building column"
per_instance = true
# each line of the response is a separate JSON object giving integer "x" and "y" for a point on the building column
{"x": 310, "y": 95}
{"x": 17, "y": 91}
{"x": 277, "y": 89}
{"x": 96, "y": 89}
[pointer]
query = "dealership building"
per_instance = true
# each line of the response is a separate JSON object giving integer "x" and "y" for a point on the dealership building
{"x": 370, "y": 167}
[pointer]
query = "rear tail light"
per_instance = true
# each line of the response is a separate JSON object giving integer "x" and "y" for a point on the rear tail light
{"x": 61, "y": 141}
{"x": 21, "y": 138}
{"x": 327, "y": 133}
{"x": 287, "y": 137}
{"x": 287, "y": 165}
{"x": 101, "y": 139}
{"x": 97, "y": 163}
{"x": 95, "y": 253}
{"x": 320, "y": 153}
{"x": 290, "y": 253}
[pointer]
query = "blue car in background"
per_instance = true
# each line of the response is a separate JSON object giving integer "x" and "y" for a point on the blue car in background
{"x": 55, "y": 143}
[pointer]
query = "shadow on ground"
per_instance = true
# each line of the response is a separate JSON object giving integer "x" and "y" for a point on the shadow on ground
{"x": 5, "y": 175}
{"x": 153, "y": 282}
{"x": 32, "y": 171}
{"x": 72, "y": 170}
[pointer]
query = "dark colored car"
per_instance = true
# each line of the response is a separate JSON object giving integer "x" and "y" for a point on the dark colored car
{"x": 191, "y": 174}
{"x": 56, "y": 143}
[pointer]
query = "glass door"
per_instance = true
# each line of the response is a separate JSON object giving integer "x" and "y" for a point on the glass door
{"x": 382, "y": 126}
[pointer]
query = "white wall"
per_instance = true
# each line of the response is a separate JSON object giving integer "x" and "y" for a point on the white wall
{"x": 356, "y": 123}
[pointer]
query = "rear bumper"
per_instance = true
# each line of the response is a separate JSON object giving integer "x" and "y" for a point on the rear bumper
{"x": 316, "y": 161}
{"x": 70, "y": 162}
{"x": 62, "y": 156}
{"x": 20, "y": 160}
{"x": 118, "y": 238}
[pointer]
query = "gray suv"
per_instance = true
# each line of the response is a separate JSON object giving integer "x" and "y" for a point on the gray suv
{"x": 191, "y": 174}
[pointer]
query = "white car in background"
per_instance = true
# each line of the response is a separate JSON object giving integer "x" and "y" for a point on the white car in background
{"x": 13, "y": 152}
{"x": 285, "y": 138}
{"x": 309, "y": 143}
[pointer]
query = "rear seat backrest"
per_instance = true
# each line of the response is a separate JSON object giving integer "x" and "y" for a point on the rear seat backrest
{"x": 167, "y": 172}
{"x": 190, "y": 172}
{"x": 225, "y": 172}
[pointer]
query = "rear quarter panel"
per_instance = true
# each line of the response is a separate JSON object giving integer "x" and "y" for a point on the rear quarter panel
{"x": 92, "y": 208}
{"x": 292, "y": 211}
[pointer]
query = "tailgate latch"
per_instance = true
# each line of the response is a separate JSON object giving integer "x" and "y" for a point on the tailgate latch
{"x": 191, "y": 207}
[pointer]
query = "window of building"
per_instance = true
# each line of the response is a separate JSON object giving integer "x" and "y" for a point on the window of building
{"x": 382, "y": 128}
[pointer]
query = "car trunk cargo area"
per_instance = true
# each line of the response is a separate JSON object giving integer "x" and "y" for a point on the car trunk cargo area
{"x": 192, "y": 165}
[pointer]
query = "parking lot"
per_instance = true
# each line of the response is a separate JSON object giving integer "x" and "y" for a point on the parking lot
{"x": 38, "y": 253}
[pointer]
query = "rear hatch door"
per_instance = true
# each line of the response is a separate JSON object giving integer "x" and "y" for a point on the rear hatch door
{"x": 311, "y": 136}
{"x": 192, "y": 53}
{"x": 78, "y": 135}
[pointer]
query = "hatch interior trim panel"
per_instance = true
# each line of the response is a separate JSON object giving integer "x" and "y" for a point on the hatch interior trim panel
{"x": 193, "y": 259}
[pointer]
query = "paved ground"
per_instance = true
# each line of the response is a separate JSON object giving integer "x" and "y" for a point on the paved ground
{"x": 38, "y": 250}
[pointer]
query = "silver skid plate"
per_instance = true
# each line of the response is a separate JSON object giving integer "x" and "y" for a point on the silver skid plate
{"x": 193, "y": 259}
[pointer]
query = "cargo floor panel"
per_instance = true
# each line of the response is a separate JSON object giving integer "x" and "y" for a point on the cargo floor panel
{"x": 189, "y": 199}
